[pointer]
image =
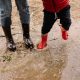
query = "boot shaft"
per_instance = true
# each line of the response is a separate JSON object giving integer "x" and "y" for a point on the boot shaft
{"x": 44, "y": 37}
{"x": 7, "y": 32}
{"x": 10, "y": 42}
{"x": 43, "y": 42}
{"x": 26, "y": 30}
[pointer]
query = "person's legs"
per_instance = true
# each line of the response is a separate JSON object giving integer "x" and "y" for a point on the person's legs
{"x": 24, "y": 13}
{"x": 5, "y": 10}
{"x": 65, "y": 21}
{"x": 48, "y": 21}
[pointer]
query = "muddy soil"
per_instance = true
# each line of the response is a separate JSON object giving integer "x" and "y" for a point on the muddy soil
{"x": 59, "y": 62}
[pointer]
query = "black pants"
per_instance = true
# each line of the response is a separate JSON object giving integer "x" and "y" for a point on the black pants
{"x": 50, "y": 18}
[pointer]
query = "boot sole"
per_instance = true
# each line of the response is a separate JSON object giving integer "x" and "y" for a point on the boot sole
{"x": 44, "y": 49}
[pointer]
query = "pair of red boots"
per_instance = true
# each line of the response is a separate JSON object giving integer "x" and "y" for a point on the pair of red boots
{"x": 43, "y": 42}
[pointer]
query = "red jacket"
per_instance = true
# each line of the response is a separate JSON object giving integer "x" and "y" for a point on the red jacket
{"x": 55, "y": 5}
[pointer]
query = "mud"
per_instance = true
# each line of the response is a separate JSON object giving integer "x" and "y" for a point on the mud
{"x": 59, "y": 62}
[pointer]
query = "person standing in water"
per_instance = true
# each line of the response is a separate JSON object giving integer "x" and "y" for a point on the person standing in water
{"x": 5, "y": 22}
{"x": 53, "y": 10}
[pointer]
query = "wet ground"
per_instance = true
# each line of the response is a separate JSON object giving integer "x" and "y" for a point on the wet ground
{"x": 61, "y": 61}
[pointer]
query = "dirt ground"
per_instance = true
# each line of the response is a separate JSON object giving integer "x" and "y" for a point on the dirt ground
{"x": 61, "y": 61}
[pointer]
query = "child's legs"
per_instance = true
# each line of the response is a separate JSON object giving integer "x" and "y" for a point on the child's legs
{"x": 5, "y": 12}
{"x": 65, "y": 19}
{"x": 48, "y": 21}
{"x": 23, "y": 8}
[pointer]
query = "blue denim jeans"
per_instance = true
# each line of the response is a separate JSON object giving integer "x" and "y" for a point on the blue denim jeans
{"x": 6, "y": 9}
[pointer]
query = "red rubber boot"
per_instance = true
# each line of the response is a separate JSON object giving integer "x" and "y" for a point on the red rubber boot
{"x": 65, "y": 35}
{"x": 43, "y": 42}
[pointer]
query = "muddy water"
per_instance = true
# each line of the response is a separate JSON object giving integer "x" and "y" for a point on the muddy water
{"x": 26, "y": 65}
{"x": 59, "y": 62}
